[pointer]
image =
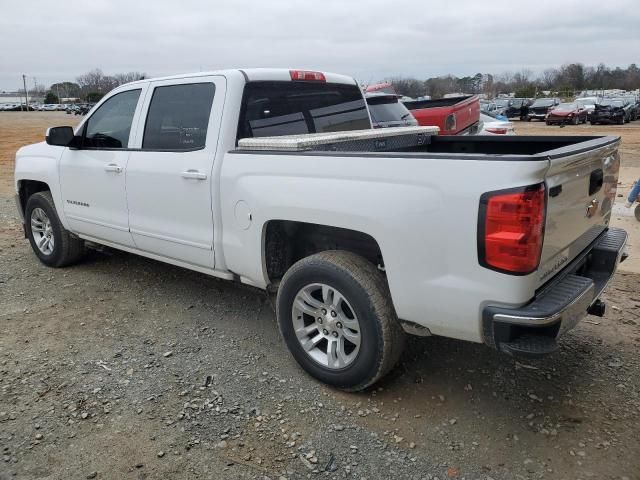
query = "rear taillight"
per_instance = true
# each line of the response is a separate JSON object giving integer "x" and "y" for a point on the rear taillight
{"x": 511, "y": 229}
{"x": 307, "y": 76}
{"x": 497, "y": 131}
{"x": 450, "y": 122}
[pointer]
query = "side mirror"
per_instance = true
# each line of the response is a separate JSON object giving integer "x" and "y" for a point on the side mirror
{"x": 59, "y": 136}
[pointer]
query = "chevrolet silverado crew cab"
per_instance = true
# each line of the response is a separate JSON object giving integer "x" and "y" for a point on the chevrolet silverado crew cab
{"x": 274, "y": 178}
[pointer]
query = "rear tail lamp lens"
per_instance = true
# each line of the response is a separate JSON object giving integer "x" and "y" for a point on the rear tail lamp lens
{"x": 450, "y": 122}
{"x": 497, "y": 131}
{"x": 511, "y": 229}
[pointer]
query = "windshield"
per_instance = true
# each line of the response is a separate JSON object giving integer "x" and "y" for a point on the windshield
{"x": 585, "y": 102}
{"x": 386, "y": 109}
{"x": 501, "y": 102}
{"x": 273, "y": 108}
{"x": 543, "y": 102}
{"x": 517, "y": 102}
{"x": 566, "y": 107}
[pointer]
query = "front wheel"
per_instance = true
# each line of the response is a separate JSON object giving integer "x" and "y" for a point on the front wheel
{"x": 50, "y": 241}
{"x": 637, "y": 212}
{"x": 335, "y": 314}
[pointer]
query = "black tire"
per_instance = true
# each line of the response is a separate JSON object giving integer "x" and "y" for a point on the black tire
{"x": 67, "y": 249}
{"x": 366, "y": 290}
{"x": 637, "y": 212}
{"x": 548, "y": 123}
{"x": 576, "y": 120}
{"x": 593, "y": 123}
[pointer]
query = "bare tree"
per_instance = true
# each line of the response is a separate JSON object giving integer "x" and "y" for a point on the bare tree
{"x": 122, "y": 78}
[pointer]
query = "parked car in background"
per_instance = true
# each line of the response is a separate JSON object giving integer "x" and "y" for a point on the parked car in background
{"x": 515, "y": 107}
{"x": 492, "y": 109}
{"x": 609, "y": 111}
{"x": 566, "y": 113}
{"x": 488, "y": 106}
{"x": 493, "y": 125}
{"x": 588, "y": 103}
{"x": 633, "y": 107}
{"x": 387, "y": 111}
{"x": 540, "y": 107}
{"x": 454, "y": 116}
{"x": 628, "y": 107}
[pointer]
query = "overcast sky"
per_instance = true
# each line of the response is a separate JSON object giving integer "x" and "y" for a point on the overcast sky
{"x": 55, "y": 41}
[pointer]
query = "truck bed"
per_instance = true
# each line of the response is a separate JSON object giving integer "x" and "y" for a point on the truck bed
{"x": 579, "y": 175}
{"x": 501, "y": 148}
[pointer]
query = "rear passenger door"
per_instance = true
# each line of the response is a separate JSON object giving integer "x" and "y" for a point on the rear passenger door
{"x": 169, "y": 175}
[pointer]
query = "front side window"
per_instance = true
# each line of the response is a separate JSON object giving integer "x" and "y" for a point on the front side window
{"x": 273, "y": 108}
{"x": 110, "y": 125}
{"x": 178, "y": 117}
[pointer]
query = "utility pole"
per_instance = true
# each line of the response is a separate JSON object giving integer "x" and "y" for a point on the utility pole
{"x": 26, "y": 94}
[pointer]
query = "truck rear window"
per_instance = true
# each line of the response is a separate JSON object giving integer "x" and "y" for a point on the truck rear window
{"x": 276, "y": 108}
{"x": 387, "y": 110}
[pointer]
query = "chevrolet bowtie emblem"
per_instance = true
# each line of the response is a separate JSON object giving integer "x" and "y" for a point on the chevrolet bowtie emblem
{"x": 592, "y": 208}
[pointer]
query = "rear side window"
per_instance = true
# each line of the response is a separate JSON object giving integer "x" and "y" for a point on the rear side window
{"x": 178, "y": 117}
{"x": 289, "y": 108}
{"x": 110, "y": 125}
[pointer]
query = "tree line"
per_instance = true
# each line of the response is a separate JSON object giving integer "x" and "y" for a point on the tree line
{"x": 568, "y": 80}
{"x": 91, "y": 86}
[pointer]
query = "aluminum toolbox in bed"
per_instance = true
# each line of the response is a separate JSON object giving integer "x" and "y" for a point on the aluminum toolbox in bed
{"x": 380, "y": 140}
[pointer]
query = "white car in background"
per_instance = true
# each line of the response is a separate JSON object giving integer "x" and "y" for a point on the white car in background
{"x": 588, "y": 103}
{"x": 490, "y": 125}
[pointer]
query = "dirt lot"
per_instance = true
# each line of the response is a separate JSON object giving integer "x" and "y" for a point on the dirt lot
{"x": 122, "y": 367}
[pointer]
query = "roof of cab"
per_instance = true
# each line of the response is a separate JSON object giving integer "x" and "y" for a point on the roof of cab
{"x": 255, "y": 74}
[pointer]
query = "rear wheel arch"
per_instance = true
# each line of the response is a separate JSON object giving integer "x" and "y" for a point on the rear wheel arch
{"x": 285, "y": 242}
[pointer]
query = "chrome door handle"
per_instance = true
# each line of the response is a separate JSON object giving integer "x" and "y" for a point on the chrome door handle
{"x": 112, "y": 167}
{"x": 194, "y": 174}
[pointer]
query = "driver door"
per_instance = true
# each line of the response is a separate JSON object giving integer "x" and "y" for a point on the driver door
{"x": 92, "y": 177}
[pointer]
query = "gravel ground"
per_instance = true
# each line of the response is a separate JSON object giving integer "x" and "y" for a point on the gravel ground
{"x": 122, "y": 367}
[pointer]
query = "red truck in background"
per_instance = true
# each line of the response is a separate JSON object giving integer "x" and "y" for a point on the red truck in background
{"x": 454, "y": 116}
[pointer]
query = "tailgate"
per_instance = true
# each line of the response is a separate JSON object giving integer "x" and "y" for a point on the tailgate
{"x": 581, "y": 189}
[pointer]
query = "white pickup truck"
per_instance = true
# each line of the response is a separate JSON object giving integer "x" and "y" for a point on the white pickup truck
{"x": 273, "y": 178}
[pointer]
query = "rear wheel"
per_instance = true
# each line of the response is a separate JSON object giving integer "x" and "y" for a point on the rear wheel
{"x": 335, "y": 314}
{"x": 50, "y": 241}
{"x": 637, "y": 212}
